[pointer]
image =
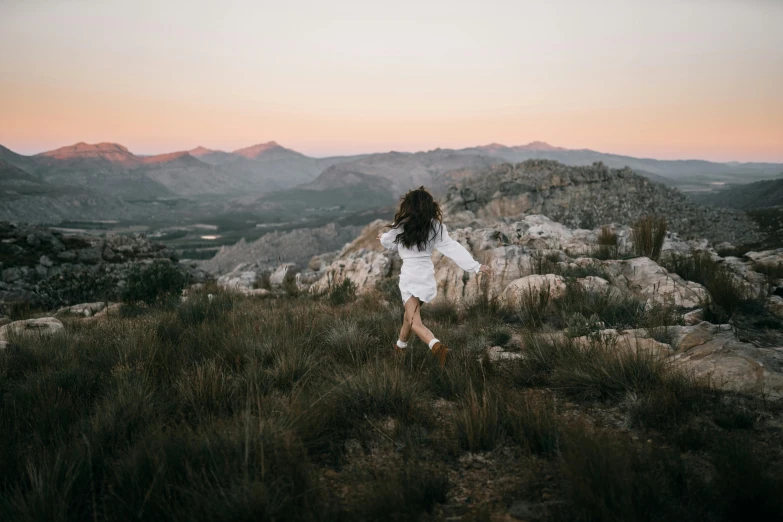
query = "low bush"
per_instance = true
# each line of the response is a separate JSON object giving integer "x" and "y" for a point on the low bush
{"x": 154, "y": 283}
{"x": 612, "y": 308}
{"x": 342, "y": 293}
{"x": 648, "y": 235}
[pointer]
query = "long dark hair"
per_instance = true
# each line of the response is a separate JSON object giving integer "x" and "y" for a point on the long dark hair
{"x": 420, "y": 216}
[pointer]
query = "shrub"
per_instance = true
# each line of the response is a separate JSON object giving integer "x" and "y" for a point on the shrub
{"x": 648, "y": 235}
{"x": 532, "y": 423}
{"x": 202, "y": 307}
{"x": 395, "y": 493}
{"x": 612, "y": 308}
{"x": 607, "y": 244}
{"x": 478, "y": 420}
{"x": 154, "y": 283}
{"x": 534, "y": 305}
{"x": 342, "y": 293}
{"x": 349, "y": 341}
{"x": 727, "y": 295}
{"x": 544, "y": 262}
{"x": 78, "y": 285}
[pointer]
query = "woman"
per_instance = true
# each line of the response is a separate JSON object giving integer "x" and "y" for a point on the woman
{"x": 417, "y": 230}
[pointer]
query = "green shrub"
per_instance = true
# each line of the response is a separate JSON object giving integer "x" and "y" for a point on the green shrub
{"x": 77, "y": 285}
{"x": 610, "y": 307}
{"x": 648, "y": 235}
{"x": 154, "y": 283}
{"x": 342, "y": 293}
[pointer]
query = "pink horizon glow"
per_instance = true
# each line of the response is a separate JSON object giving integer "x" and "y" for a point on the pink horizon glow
{"x": 666, "y": 80}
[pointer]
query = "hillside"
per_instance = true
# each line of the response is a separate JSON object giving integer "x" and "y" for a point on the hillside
{"x": 589, "y": 196}
{"x": 753, "y": 196}
{"x": 694, "y": 172}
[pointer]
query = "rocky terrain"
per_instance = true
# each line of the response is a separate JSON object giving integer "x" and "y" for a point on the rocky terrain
{"x": 297, "y": 246}
{"x": 536, "y": 252}
{"x": 46, "y": 267}
{"x": 586, "y": 197}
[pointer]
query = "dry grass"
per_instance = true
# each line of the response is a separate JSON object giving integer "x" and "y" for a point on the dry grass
{"x": 237, "y": 409}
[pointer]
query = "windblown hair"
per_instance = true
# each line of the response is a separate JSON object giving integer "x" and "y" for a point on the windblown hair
{"x": 420, "y": 217}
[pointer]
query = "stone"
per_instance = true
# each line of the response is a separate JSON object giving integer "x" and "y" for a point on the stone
{"x": 728, "y": 364}
{"x": 281, "y": 274}
{"x": 41, "y": 326}
{"x": 241, "y": 281}
{"x": 645, "y": 277}
{"x": 775, "y": 305}
{"x": 112, "y": 310}
{"x": 534, "y": 283}
{"x": 693, "y": 317}
{"x": 4, "y": 320}
{"x": 85, "y": 309}
{"x": 497, "y": 353}
{"x": 687, "y": 337}
{"x": 45, "y": 261}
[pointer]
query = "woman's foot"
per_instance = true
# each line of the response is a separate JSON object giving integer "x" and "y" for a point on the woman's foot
{"x": 439, "y": 351}
{"x": 399, "y": 352}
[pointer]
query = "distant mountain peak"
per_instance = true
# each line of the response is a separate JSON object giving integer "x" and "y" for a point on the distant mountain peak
{"x": 539, "y": 145}
{"x": 113, "y": 152}
{"x": 168, "y": 158}
{"x": 256, "y": 151}
{"x": 492, "y": 146}
{"x": 200, "y": 151}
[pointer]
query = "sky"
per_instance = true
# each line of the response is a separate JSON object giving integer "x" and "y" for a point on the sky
{"x": 669, "y": 79}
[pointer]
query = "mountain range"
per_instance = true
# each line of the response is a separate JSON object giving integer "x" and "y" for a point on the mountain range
{"x": 107, "y": 181}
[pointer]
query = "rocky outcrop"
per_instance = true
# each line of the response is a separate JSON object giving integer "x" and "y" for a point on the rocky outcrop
{"x": 36, "y": 262}
{"x": 297, "y": 246}
{"x": 586, "y": 197}
{"x": 515, "y": 252}
{"x": 713, "y": 353}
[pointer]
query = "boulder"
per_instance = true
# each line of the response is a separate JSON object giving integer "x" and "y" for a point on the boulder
{"x": 241, "y": 281}
{"x": 41, "y": 326}
{"x": 646, "y": 278}
{"x": 282, "y": 274}
{"x": 363, "y": 267}
{"x": 775, "y": 305}
{"x": 85, "y": 309}
{"x": 4, "y": 320}
{"x": 728, "y": 364}
{"x": 693, "y": 317}
{"x": 555, "y": 284}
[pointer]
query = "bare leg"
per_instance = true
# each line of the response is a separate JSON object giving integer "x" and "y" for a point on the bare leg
{"x": 413, "y": 322}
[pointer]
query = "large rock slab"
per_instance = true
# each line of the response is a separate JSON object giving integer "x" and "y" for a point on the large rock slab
{"x": 714, "y": 354}
{"x": 85, "y": 309}
{"x": 30, "y": 327}
{"x": 363, "y": 267}
{"x": 238, "y": 280}
{"x": 646, "y": 278}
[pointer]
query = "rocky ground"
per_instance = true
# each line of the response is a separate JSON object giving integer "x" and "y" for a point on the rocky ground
{"x": 587, "y": 197}
{"x": 45, "y": 267}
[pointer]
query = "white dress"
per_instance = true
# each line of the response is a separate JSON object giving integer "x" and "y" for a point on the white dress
{"x": 417, "y": 276}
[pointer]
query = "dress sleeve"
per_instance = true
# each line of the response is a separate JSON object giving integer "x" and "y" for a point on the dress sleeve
{"x": 454, "y": 251}
{"x": 387, "y": 239}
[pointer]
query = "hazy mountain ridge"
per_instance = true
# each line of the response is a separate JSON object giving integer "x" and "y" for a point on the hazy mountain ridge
{"x": 273, "y": 178}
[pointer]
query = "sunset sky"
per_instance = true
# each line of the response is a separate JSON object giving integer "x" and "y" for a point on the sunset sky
{"x": 663, "y": 78}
